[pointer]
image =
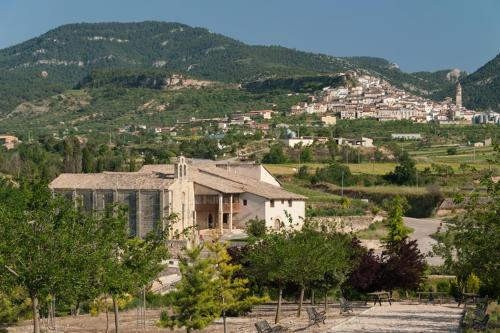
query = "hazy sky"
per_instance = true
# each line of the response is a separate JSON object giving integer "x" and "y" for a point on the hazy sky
{"x": 417, "y": 34}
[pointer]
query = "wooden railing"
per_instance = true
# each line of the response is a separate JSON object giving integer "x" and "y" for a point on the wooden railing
{"x": 226, "y": 207}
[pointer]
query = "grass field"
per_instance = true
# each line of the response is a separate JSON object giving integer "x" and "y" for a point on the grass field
{"x": 313, "y": 196}
{"x": 383, "y": 168}
{"x": 376, "y": 230}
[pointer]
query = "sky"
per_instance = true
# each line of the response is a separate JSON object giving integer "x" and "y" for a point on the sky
{"x": 415, "y": 34}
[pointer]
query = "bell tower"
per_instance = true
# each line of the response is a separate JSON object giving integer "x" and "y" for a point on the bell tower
{"x": 458, "y": 97}
{"x": 181, "y": 168}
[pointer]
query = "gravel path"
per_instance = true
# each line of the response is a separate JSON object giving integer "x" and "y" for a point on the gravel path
{"x": 404, "y": 318}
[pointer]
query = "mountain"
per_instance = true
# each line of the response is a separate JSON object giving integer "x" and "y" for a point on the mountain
{"x": 481, "y": 89}
{"x": 61, "y": 58}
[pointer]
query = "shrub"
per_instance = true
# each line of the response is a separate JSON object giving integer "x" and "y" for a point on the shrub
{"x": 336, "y": 173}
{"x": 443, "y": 286}
{"x": 256, "y": 227}
{"x": 472, "y": 284}
{"x": 451, "y": 151}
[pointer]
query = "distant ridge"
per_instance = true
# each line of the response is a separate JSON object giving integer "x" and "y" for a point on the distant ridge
{"x": 59, "y": 59}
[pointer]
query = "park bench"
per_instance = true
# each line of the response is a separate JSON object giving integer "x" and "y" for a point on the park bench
{"x": 263, "y": 326}
{"x": 345, "y": 306}
{"x": 480, "y": 324}
{"x": 431, "y": 296}
{"x": 315, "y": 317}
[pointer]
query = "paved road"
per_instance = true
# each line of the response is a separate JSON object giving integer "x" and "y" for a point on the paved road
{"x": 423, "y": 228}
{"x": 404, "y": 318}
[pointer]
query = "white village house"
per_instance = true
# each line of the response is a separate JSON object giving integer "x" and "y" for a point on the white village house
{"x": 212, "y": 198}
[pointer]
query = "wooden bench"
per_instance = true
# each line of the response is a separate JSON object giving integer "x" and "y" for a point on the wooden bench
{"x": 315, "y": 317}
{"x": 263, "y": 326}
{"x": 345, "y": 305}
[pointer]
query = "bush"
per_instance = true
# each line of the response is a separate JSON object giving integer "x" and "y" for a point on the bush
{"x": 451, "y": 151}
{"x": 335, "y": 173}
{"x": 256, "y": 228}
{"x": 421, "y": 204}
{"x": 472, "y": 284}
{"x": 443, "y": 286}
{"x": 275, "y": 156}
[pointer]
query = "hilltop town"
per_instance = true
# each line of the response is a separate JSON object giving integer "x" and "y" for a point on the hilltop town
{"x": 365, "y": 96}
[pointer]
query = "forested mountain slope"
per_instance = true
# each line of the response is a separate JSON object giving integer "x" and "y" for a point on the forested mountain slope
{"x": 61, "y": 58}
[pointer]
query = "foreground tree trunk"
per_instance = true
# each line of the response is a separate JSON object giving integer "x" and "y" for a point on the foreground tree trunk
{"x": 326, "y": 299}
{"x": 115, "y": 308}
{"x": 107, "y": 319}
{"x": 77, "y": 309}
{"x": 312, "y": 296}
{"x": 301, "y": 300}
{"x": 278, "y": 308}
{"x": 36, "y": 315}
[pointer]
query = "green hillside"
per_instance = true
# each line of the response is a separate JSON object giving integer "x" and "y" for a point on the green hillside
{"x": 75, "y": 55}
{"x": 60, "y": 58}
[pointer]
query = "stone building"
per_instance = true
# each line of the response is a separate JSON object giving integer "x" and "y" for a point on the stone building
{"x": 207, "y": 197}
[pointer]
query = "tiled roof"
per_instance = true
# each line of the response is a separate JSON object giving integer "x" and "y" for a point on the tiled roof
{"x": 158, "y": 176}
{"x": 246, "y": 184}
{"x": 111, "y": 180}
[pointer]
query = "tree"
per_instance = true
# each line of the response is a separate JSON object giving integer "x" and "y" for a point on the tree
{"x": 270, "y": 263}
{"x": 131, "y": 263}
{"x": 363, "y": 277}
{"x": 275, "y": 155}
{"x": 87, "y": 160}
{"x": 44, "y": 241}
{"x": 471, "y": 244}
{"x": 305, "y": 155}
{"x": 321, "y": 258}
{"x": 405, "y": 173}
{"x": 335, "y": 173}
{"x": 232, "y": 292}
{"x": 195, "y": 300}
{"x": 402, "y": 266}
{"x": 256, "y": 227}
{"x": 397, "y": 230}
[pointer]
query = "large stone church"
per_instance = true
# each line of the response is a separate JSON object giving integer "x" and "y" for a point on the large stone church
{"x": 207, "y": 197}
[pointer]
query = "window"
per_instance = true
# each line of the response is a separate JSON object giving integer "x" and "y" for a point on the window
{"x": 272, "y": 203}
{"x": 244, "y": 202}
{"x": 289, "y": 203}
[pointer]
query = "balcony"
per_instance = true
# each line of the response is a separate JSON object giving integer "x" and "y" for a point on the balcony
{"x": 226, "y": 207}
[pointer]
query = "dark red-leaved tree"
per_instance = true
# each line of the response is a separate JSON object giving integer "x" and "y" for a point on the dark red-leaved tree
{"x": 403, "y": 266}
{"x": 364, "y": 276}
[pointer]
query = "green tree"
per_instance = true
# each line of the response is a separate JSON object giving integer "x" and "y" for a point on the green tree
{"x": 405, "y": 173}
{"x": 233, "y": 294}
{"x": 87, "y": 160}
{"x": 44, "y": 241}
{"x": 270, "y": 262}
{"x": 275, "y": 155}
{"x": 395, "y": 210}
{"x": 131, "y": 264}
{"x": 471, "y": 244}
{"x": 195, "y": 299}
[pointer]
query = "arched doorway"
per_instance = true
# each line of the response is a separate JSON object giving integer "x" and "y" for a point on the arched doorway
{"x": 277, "y": 224}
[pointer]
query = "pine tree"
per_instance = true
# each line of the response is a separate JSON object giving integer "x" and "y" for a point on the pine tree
{"x": 195, "y": 300}
{"x": 397, "y": 229}
{"x": 232, "y": 292}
